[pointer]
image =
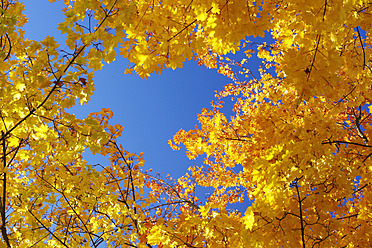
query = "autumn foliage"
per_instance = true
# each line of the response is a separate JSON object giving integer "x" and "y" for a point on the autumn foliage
{"x": 301, "y": 127}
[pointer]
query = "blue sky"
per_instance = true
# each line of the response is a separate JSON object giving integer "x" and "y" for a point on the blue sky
{"x": 151, "y": 110}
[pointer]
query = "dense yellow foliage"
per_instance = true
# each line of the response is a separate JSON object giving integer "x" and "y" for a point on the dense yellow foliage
{"x": 301, "y": 129}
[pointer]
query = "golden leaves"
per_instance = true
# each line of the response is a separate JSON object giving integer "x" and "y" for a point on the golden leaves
{"x": 42, "y": 145}
{"x": 300, "y": 131}
{"x": 299, "y": 151}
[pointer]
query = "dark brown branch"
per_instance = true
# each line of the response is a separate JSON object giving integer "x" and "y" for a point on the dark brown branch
{"x": 16, "y": 151}
{"x": 46, "y": 228}
{"x": 115, "y": 180}
{"x": 356, "y": 191}
{"x": 30, "y": 113}
{"x": 187, "y": 26}
{"x": 345, "y": 96}
{"x": 238, "y": 139}
{"x": 348, "y": 217}
{"x": 361, "y": 43}
{"x": 249, "y": 10}
{"x": 358, "y": 123}
{"x": 130, "y": 179}
{"x": 170, "y": 203}
{"x": 3, "y": 200}
{"x": 345, "y": 142}
{"x": 10, "y": 47}
{"x": 301, "y": 217}
{"x": 69, "y": 204}
{"x": 78, "y": 216}
{"x": 119, "y": 200}
{"x": 37, "y": 242}
{"x": 325, "y": 9}
{"x": 144, "y": 13}
{"x": 367, "y": 157}
{"x": 313, "y": 60}
{"x": 189, "y": 5}
{"x": 361, "y": 188}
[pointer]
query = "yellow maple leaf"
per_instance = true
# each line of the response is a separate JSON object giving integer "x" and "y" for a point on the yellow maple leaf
{"x": 248, "y": 219}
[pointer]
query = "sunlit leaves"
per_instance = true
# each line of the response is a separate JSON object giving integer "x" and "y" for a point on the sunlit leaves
{"x": 301, "y": 131}
{"x": 298, "y": 143}
{"x": 53, "y": 197}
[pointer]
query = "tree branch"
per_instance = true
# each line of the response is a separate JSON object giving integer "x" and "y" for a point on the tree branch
{"x": 301, "y": 217}
{"x": 345, "y": 142}
{"x": 186, "y": 27}
{"x": 3, "y": 198}
{"x": 361, "y": 43}
{"x": 313, "y": 60}
{"x": 46, "y": 228}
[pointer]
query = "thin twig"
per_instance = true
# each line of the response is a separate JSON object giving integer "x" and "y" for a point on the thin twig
{"x": 188, "y": 25}
{"x": 46, "y": 228}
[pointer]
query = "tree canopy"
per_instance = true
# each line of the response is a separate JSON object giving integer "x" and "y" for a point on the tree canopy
{"x": 301, "y": 127}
